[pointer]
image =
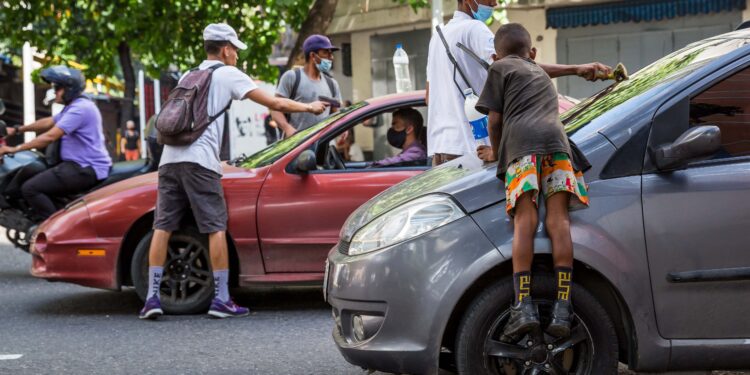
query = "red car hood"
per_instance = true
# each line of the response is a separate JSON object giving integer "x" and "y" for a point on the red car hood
{"x": 150, "y": 180}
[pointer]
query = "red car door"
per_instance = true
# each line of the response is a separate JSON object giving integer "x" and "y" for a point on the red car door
{"x": 300, "y": 215}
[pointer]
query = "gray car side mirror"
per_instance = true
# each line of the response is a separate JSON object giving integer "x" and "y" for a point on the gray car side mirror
{"x": 306, "y": 162}
{"x": 2, "y": 107}
{"x": 696, "y": 142}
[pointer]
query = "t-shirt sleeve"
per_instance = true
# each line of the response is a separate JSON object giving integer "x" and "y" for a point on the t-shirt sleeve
{"x": 70, "y": 119}
{"x": 483, "y": 42}
{"x": 493, "y": 93}
{"x": 285, "y": 84}
{"x": 240, "y": 83}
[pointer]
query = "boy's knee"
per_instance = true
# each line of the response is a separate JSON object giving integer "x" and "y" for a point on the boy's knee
{"x": 557, "y": 225}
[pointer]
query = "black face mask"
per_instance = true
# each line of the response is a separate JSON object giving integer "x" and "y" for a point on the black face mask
{"x": 396, "y": 138}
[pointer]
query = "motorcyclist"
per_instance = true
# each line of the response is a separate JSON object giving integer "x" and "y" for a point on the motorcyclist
{"x": 83, "y": 154}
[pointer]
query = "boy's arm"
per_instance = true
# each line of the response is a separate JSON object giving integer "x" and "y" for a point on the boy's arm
{"x": 495, "y": 129}
{"x": 587, "y": 71}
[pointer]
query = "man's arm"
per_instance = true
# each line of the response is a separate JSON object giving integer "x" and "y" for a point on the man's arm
{"x": 285, "y": 105}
{"x": 39, "y": 126}
{"x": 281, "y": 121}
{"x": 123, "y": 141}
{"x": 39, "y": 142}
{"x": 587, "y": 71}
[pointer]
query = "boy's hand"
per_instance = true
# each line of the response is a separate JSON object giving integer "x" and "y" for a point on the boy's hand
{"x": 485, "y": 153}
{"x": 593, "y": 71}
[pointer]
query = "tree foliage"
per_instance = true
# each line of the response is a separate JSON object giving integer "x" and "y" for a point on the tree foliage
{"x": 159, "y": 33}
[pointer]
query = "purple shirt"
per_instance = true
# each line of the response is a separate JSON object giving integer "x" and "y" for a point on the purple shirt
{"x": 83, "y": 142}
{"x": 415, "y": 151}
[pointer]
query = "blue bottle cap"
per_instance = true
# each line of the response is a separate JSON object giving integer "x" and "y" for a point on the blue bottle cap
{"x": 399, "y": 45}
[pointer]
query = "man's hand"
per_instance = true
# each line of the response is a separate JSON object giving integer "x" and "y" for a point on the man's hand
{"x": 6, "y": 150}
{"x": 11, "y": 131}
{"x": 317, "y": 107}
{"x": 593, "y": 71}
{"x": 485, "y": 153}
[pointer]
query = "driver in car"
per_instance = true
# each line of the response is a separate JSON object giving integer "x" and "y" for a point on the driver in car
{"x": 406, "y": 132}
{"x": 84, "y": 157}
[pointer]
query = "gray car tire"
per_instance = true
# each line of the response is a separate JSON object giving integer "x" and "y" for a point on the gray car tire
{"x": 484, "y": 311}
{"x": 196, "y": 297}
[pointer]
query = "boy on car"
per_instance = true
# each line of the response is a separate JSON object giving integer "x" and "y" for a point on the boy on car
{"x": 534, "y": 159}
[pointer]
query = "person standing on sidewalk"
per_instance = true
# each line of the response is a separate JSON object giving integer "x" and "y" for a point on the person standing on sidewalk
{"x": 306, "y": 84}
{"x": 190, "y": 176}
{"x": 130, "y": 144}
{"x": 449, "y": 134}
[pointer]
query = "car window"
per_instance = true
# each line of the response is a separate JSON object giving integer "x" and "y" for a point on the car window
{"x": 365, "y": 144}
{"x": 726, "y": 105}
{"x": 273, "y": 152}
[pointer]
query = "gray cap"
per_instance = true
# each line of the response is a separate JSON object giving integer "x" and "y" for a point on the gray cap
{"x": 222, "y": 32}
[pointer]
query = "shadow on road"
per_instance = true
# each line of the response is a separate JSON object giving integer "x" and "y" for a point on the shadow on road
{"x": 97, "y": 302}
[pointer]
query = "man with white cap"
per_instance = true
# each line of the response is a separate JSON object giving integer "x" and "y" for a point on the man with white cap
{"x": 190, "y": 176}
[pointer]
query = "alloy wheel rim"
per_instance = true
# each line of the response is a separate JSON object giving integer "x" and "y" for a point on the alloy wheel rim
{"x": 537, "y": 352}
{"x": 187, "y": 273}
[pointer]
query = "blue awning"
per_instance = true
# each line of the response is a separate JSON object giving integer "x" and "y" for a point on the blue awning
{"x": 635, "y": 11}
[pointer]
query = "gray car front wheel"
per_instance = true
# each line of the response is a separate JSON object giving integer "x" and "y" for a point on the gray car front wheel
{"x": 590, "y": 349}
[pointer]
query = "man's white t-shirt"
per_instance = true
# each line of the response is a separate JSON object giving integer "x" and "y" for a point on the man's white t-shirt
{"x": 227, "y": 83}
{"x": 448, "y": 131}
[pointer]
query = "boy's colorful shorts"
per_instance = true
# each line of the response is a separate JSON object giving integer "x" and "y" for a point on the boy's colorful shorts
{"x": 553, "y": 173}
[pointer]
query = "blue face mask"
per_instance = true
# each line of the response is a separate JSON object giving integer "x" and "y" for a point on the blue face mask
{"x": 324, "y": 66}
{"x": 483, "y": 13}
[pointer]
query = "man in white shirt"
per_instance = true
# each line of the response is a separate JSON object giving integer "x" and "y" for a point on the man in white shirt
{"x": 190, "y": 176}
{"x": 449, "y": 133}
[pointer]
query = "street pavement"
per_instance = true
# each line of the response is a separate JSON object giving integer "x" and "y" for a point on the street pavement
{"x": 59, "y": 328}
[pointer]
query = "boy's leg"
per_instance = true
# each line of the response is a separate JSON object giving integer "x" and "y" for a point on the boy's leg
{"x": 157, "y": 255}
{"x": 525, "y": 222}
{"x": 557, "y": 224}
{"x": 523, "y": 314}
{"x": 222, "y": 306}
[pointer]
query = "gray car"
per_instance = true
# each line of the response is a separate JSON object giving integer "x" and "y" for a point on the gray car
{"x": 421, "y": 277}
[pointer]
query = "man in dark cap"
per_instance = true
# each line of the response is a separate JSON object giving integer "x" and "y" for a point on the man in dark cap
{"x": 306, "y": 84}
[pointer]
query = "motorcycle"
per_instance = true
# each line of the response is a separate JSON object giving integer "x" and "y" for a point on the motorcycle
{"x": 16, "y": 215}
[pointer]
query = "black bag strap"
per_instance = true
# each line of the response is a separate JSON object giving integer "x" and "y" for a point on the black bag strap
{"x": 473, "y": 55}
{"x": 295, "y": 86}
{"x": 452, "y": 59}
{"x": 331, "y": 85}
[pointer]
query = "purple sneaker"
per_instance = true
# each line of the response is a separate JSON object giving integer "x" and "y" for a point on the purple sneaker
{"x": 227, "y": 309}
{"x": 152, "y": 309}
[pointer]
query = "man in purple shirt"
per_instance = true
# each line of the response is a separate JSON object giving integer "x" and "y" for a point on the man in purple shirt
{"x": 405, "y": 133}
{"x": 84, "y": 157}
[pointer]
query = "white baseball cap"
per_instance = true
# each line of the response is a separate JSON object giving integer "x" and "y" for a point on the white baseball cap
{"x": 222, "y": 32}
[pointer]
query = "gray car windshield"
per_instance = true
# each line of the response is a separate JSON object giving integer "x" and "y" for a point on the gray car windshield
{"x": 276, "y": 150}
{"x": 664, "y": 70}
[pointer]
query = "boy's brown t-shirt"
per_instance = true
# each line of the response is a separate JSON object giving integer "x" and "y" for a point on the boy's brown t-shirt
{"x": 524, "y": 95}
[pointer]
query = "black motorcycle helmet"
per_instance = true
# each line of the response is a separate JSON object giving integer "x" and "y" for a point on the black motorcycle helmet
{"x": 71, "y": 80}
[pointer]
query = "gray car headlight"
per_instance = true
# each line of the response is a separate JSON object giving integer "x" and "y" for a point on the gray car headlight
{"x": 407, "y": 221}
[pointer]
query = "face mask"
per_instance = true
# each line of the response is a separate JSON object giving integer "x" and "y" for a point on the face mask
{"x": 324, "y": 66}
{"x": 396, "y": 138}
{"x": 483, "y": 13}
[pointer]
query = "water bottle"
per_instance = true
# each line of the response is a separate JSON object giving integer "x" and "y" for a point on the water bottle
{"x": 477, "y": 119}
{"x": 401, "y": 66}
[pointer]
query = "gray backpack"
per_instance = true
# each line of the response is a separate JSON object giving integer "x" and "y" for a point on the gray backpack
{"x": 184, "y": 116}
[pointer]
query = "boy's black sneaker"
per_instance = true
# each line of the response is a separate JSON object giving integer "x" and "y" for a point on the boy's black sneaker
{"x": 524, "y": 317}
{"x": 562, "y": 315}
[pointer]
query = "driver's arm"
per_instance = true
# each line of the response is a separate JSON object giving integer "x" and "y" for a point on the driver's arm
{"x": 39, "y": 126}
{"x": 41, "y": 141}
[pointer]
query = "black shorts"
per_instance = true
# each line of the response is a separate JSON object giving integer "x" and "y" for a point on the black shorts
{"x": 188, "y": 186}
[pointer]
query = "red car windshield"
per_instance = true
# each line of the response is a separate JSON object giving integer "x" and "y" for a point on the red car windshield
{"x": 276, "y": 150}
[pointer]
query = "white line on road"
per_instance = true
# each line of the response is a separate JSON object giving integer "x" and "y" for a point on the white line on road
{"x": 5, "y": 357}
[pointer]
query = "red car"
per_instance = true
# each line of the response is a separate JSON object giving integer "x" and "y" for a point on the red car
{"x": 286, "y": 205}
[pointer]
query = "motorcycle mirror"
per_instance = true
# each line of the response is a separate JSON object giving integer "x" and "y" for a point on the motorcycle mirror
{"x": 2, "y": 107}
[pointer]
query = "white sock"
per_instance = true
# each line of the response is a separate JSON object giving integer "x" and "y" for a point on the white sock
{"x": 154, "y": 281}
{"x": 221, "y": 285}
